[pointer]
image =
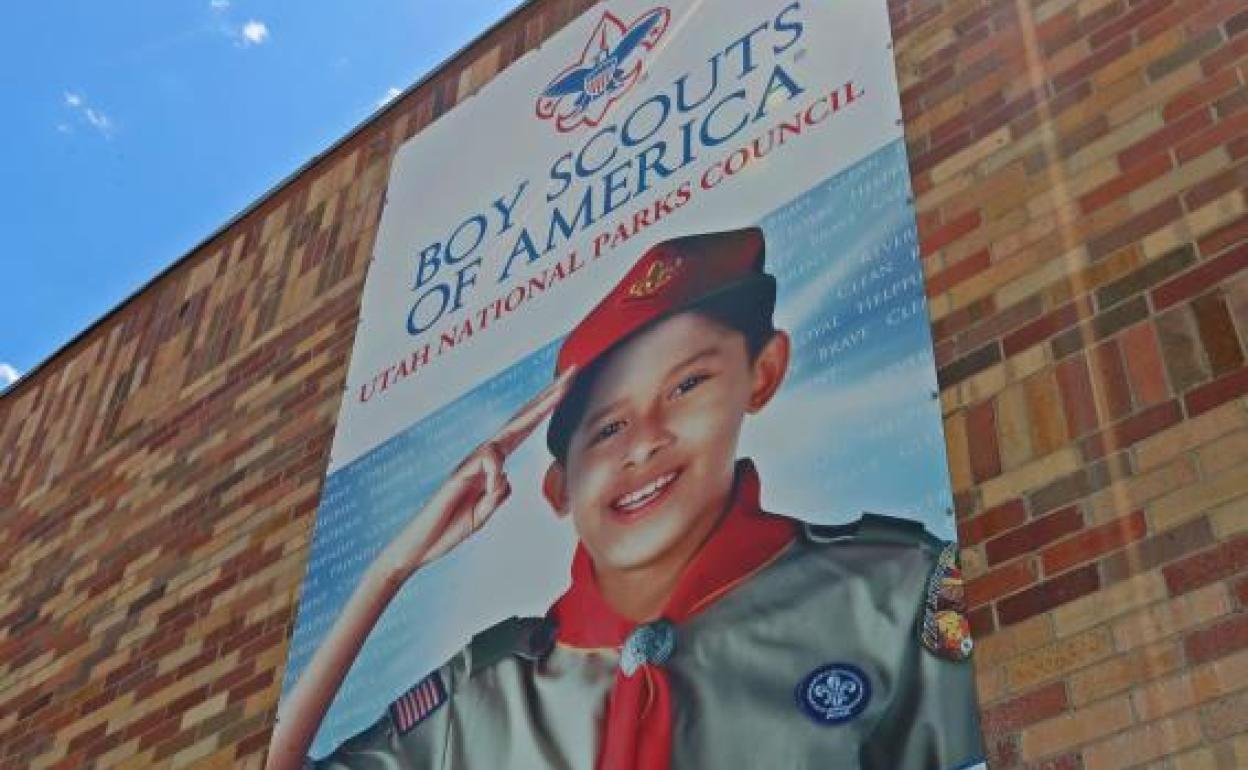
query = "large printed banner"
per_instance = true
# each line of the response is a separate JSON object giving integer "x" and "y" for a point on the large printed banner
{"x": 640, "y": 463}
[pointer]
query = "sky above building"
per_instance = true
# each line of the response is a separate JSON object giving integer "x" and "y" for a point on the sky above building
{"x": 134, "y": 130}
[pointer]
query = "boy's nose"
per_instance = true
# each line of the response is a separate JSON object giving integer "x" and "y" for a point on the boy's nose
{"x": 649, "y": 437}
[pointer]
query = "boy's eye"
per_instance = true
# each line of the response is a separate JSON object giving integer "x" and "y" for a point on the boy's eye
{"x": 689, "y": 383}
{"x": 607, "y": 430}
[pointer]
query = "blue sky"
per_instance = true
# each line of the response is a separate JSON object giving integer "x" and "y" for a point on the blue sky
{"x": 134, "y": 129}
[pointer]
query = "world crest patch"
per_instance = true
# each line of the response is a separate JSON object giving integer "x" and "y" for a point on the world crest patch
{"x": 834, "y": 693}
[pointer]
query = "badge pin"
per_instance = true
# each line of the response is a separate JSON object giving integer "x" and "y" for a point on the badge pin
{"x": 834, "y": 693}
{"x": 658, "y": 275}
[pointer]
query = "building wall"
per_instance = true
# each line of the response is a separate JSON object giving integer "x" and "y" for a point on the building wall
{"x": 1080, "y": 169}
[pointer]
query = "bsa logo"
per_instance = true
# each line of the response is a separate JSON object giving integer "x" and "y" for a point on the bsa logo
{"x": 609, "y": 67}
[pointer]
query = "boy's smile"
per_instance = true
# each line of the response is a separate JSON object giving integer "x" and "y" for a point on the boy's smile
{"x": 650, "y": 467}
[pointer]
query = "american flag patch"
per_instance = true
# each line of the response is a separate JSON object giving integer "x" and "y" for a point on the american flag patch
{"x": 418, "y": 703}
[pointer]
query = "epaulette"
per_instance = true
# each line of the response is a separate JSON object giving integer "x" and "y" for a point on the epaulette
{"x": 527, "y": 638}
{"x": 875, "y": 528}
{"x": 945, "y": 630}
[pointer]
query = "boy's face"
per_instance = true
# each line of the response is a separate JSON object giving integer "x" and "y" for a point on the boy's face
{"x": 649, "y": 467}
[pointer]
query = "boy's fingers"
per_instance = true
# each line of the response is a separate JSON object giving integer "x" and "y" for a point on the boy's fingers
{"x": 526, "y": 420}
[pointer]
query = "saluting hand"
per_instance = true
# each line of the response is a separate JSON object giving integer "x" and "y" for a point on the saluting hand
{"x": 471, "y": 494}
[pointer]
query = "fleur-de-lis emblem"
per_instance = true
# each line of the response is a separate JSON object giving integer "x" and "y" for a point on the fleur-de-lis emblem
{"x": 658, "y": 275}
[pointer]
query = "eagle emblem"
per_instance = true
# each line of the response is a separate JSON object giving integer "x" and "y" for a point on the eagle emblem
{"x": 609, "y": 66}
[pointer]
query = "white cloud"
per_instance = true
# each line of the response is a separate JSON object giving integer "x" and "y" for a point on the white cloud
{"x": 219, "y": 5}
{"x": 390, "y": 96}
{"x": 8, "y": 375}
{"x": 98, "y": 119}
{"x": 255, "y": 32}
{"x": 93, "y": 116}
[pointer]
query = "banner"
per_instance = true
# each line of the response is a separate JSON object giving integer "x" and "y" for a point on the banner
{"x": 640, "y": 462}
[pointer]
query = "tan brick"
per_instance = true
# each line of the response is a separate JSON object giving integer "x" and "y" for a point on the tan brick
{"x": 1185, "y": 504}
{"x": 971, "y": 155}
{"x": 1133, "y": 62}
{"x": 1035, "y": 474}
{"x": 1119, "y": 598}
{"x": 956, "y": 450}
{"x": 1230, "y": 519}
{"x": 1129, "y": 494}
{"x": 1042, "y": 277}
{"x": 1012, "y": 427}
{"x": 1014, "y": 640}
{"x": 1116, "y": 141}
{"x": 1123, "y": 672}
{"x": 1143, "y": 744}
{"x": 1185, "y": 176}
{"x": 1190, "y": 688}
{"x": 990, "y": 683}
{"x": 1076, "y": 728}
{"x": 1224, "y": 454}
{"x": 1190, "y": 434}
{"x": 1171, "y": 617}
{"x": 1158, "y": 92}
{"x": 1058, "y": 659}
{"x": 1216, "y": 213}
{"x": 1197, "y": 759}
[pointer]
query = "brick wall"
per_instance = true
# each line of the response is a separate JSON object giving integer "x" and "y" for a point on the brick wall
{"x": 1081, "y": 170}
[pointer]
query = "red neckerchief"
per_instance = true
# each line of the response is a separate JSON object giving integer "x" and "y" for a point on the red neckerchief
{"x": 638, "y": 730}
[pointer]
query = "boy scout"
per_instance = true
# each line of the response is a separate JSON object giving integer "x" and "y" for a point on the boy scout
{"x": 698, "y": 631}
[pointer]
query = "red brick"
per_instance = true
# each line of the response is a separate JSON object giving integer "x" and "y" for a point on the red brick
{"x": 1200, "y": 94}
{"x": 1048, "y": 595}
{"x": 1026, "y": 709}
{"x": 1109, "y": 378}
{"x": 1222, "y": 132}
{"x": 1135, "y": 428}
{"x": 1228, "y": 235}
{"x": 981, "y": 423}
{"x": 1077, "y": 397}
{"x": 1090, "y": 64}
{"x": 1164, "y": 138}
{"x": 1000, "y": 582}
{"x": 1216, "y": 186}
{"x": 950, "y": 232}
{"x": 1217, "y": 332}
{"x": 1217, "y": 641}
{"x": 1125, "y": 23}
{"x": 1131, "y": 179}
{"x": 1031, "y": 537}
{"x": 991, "y": 522}
{"x": 1093, "y": 543}
{"x": 1046, "y": 326}
{"x": 1223, "y": 561}
{"x": 1200, "y": 278}
{"x": 1145, "y": 368}
{"x": 958, "y": 272}
{"x": 1216, "y": 393}
{"x": 1225, "y": 56}
{"x": 1241, "y": 593}
{"x": 1135, "y": 228}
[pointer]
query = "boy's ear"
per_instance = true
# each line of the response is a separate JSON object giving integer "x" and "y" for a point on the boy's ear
{"x": 555, "y": 489}
{"x": 770, "y": 367}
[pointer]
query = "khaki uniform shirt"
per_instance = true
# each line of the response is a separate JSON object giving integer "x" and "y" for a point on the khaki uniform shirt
{"x": 849, "y": 598}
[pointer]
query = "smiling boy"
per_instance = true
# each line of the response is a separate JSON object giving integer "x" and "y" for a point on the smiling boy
{"x": 699, "y": 631}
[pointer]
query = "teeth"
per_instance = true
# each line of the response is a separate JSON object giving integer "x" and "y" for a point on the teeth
{"x": 643, "y": 495}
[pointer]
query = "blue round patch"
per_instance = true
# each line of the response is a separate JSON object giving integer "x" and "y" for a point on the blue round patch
{"x": 834, "y": 693}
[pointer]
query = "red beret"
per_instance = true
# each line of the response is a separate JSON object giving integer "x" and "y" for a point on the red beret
{"x": 670, "y": 277}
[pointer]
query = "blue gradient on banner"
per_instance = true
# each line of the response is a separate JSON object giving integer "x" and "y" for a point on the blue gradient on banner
{"x": 855, "y": 428}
